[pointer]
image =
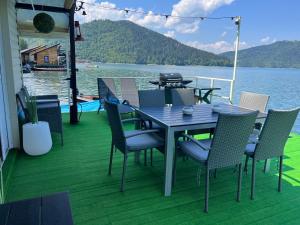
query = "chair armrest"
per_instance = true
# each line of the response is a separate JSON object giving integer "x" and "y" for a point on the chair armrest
{"x": 131, "y": 120}
{"x": 48, "y": 102}
{"x": 38, "y": 97}
{"x": 204, "y": 147}
{"x": 143, "y": 132}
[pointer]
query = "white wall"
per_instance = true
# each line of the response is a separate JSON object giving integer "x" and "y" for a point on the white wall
{"x": 12, "y": 66}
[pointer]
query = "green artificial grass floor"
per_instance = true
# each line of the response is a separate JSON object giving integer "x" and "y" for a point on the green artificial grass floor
{"x": 80, "y": 167}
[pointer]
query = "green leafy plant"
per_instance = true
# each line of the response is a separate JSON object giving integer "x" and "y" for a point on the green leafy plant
{"x": 44, "y": 23}
{"x": 32, "y": 109}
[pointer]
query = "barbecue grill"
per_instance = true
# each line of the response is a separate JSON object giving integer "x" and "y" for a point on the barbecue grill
{"x": 171, "y": 80}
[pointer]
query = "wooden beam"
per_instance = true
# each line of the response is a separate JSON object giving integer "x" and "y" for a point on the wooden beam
{"x": 27, "y": 6}
{"x": 73, "y": 82}
{"x": 68, "y": 4}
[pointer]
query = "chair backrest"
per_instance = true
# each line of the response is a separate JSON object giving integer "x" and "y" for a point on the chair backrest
{"x": 254, "y": 101}
{"x": 115, "y": 123}
{"x": 183, "y": 96}
{"x": 129, "y": 91}
{"x": 275, "y": 133}
{"x": 106, "y": 88}
{"x": 230, "y": 139}
{"x": 152, "y": 98}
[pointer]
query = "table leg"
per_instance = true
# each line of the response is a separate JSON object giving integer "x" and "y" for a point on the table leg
{"x": 169, "y": 160}
{"x": 137, "y": 157}
{"x": 267, "y": 165}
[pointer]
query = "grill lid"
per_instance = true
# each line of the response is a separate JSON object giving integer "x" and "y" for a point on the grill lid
{"x": 170, "y": 77}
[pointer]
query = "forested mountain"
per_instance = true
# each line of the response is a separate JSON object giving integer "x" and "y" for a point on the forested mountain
{"x": 279, "y": 54}
{"x": 126, "y": 42}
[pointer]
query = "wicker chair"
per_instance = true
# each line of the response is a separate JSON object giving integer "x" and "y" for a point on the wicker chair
{"x": 48, "y": 109}
{"x": 254, "y": 101}
{"x": 152, "y": 98}
{"x": 183, "y": 97}
{"x": 129, "y": 91}
{"x": 128, "y": 141}
{"x": 107, "y": 91}
{"x": 271, "y": 141}
{"x": 225, "y": 149}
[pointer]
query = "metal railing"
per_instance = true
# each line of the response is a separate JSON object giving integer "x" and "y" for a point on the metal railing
{"x": 197, "y": 79}
{"x": 212, "y": 81}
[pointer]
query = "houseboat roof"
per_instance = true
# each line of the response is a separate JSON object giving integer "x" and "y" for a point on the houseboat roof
{"x": 28, "y": 50}
{"x": 47, "y": 48}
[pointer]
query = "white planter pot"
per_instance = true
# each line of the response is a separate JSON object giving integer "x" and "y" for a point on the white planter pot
{"x": 37, "y": 138}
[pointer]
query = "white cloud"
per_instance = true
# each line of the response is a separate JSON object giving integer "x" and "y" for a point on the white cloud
{"x": 216, "y": 47}
{"x": 265, "y": 39}
{"x": 224, "y": 34}
{"x": 268, "y": 40}
{"x": 100, "y": 10}
{"x": 96, "y": 11}
{"x": 192, "y": 8}
{"x": 170, "y": 34}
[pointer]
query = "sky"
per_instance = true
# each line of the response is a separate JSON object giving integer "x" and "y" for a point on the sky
{"x": 263, "y": 21}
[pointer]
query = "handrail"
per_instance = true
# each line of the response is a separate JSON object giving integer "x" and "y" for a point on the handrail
{"x": 128, "y": 77}
{"x": 211, "y": 78}
{"x": 196, "y": 78}
{"x": 212, "y": 85}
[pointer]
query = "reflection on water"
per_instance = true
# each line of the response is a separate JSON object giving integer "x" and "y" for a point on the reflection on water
{"x": 282, "y": 85}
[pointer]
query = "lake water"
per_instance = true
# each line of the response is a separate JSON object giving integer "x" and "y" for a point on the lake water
{"x": 283, "y": 85}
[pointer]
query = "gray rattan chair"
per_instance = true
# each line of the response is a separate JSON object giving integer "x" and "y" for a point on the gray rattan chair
{"x": 254, "y": 101}
{"x": 225, "y": 149}
{"x": 129, "y": 91}
{"x": 183, "y": 96}
{"x": 186, "y": 97}
{"x": 152, "y": 98}
{"x": 128, "y": 141}
{"x": 107, "y": 91}
{"x": 271, "y": 141}
{"x": 48, "y": 109}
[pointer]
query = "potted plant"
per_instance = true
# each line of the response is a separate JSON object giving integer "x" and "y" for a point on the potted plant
{"x": 36, "y": 134}
{"x": 43, "y": 22}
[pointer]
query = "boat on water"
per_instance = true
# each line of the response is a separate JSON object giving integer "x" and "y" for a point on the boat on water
{"x": 58, "y": 68}
{"x": 26, "y": 68}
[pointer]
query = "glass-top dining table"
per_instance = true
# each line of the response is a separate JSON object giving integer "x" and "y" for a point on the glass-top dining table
{"x": 172, "y": 119}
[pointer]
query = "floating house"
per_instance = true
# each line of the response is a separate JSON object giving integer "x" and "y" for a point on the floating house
{"x": 28, "y": 55}
{"x": 48, "y": 55}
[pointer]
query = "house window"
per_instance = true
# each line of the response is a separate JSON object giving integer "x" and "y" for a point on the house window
{"x": 46, "y": 59}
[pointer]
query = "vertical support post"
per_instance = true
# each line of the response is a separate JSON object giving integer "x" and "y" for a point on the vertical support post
{"x": 73, "y": 83}
{"x": 2, "y": 186}
{"x": 237, "y": 44}
{"x": 212, "y": 85}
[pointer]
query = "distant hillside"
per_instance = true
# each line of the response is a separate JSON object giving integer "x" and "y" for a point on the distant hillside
{"x": 281, "y": 54}
{"x": 126, "y": 42}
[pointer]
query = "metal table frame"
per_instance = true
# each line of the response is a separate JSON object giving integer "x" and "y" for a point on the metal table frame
{"x": 171, "y": 126}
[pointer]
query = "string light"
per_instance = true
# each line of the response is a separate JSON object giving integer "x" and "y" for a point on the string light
{"x": 167, "y": 16}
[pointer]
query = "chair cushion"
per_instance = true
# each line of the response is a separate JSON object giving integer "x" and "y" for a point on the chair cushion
{"x": 250, "y": 148}
{"x": 254, "y": 136}
{"x": 123, "y": 108}
{"x": 193, "y": 150}
{"x": 154, "y": 125}
{"x": 206, "y": 142}
{"x": 143, "y": 141}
